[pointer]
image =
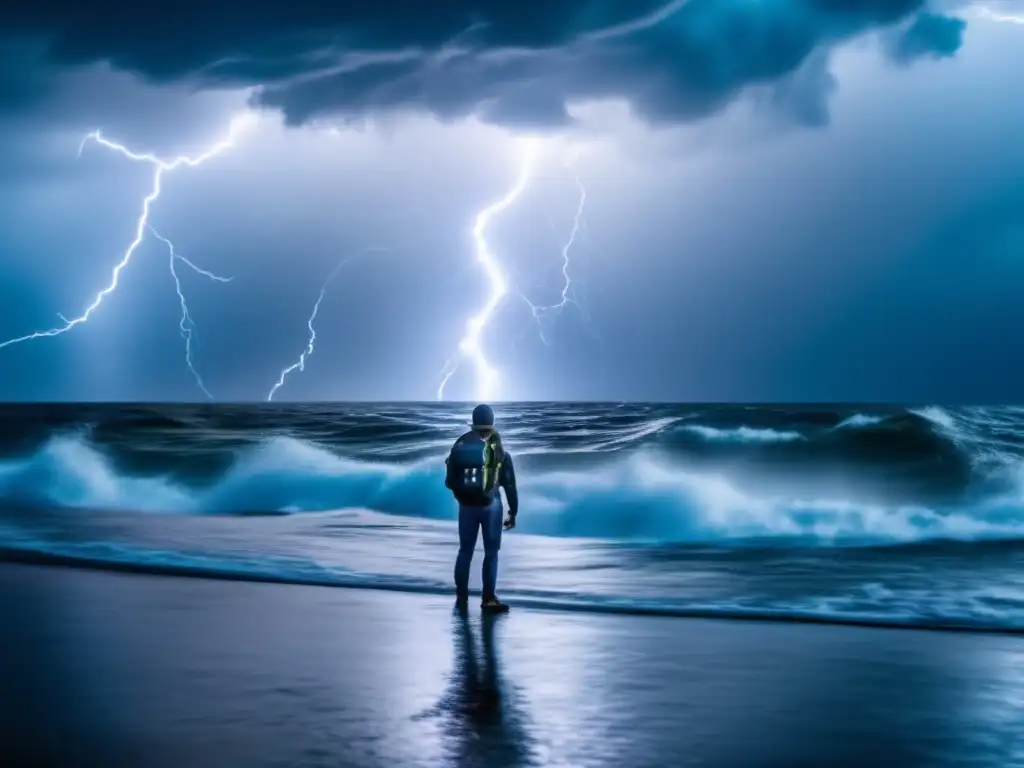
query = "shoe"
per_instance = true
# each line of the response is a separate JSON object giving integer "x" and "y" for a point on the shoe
{"x": 461, "y": 601}
{"x": 493, "y": 605}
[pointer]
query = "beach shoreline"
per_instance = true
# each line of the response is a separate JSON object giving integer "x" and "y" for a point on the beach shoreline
{"x": 110, "y": 668}
{"x": 33, "y": 556}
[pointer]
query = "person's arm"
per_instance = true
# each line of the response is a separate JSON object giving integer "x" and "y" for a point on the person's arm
{"x": 507, "y": 480}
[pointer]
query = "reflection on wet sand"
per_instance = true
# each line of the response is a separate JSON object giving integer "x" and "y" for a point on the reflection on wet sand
{"x": 485, "y": 718}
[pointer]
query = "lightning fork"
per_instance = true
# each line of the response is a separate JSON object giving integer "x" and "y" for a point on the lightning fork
{"x": 540, "y": 313}
{"x": 300, "y": 364}
{"x": 470, "y": 346}
{"x": 986, "y": 12}
{"x": 1004, "y": 18}
{"x": 160, "y": 167}
{"x": 187, "y": 326}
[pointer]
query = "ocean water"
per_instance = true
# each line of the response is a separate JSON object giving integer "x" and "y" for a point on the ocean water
{"x": 893, "y": 516}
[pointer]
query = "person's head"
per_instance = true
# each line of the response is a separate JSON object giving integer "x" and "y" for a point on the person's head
{"x": 483, "y": 419}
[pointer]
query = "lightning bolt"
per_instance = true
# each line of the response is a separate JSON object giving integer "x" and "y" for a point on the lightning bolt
{"x": 187, "y": 325}
{"x": 300, "y": 364}
{"x": 542, "y": 313}
{"x": 1005, "y": 18}
{"x": 160, "y": 167}
{"x": 470, "y": 346}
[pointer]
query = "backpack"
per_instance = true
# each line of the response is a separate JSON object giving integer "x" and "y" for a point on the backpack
{"x": 474, "y": 465}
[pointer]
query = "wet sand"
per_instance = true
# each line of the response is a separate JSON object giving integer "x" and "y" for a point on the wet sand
{"x": 113, "y": 669}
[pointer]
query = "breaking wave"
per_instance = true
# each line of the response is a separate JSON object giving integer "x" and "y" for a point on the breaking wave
{"x": 665, "y": 488}
{"x": 881, "y": 516}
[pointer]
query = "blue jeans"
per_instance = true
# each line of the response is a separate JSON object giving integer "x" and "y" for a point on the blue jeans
{"x": 471, "y": 521}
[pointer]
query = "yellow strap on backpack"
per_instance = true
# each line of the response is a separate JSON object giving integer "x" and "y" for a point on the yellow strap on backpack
{"x": 490, "y": 451}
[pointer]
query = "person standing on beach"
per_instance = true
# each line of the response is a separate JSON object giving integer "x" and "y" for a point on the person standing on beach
{"x": 477, "y": 468}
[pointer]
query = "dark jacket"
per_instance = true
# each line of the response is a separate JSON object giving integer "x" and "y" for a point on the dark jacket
{"x": 506, "y": 478}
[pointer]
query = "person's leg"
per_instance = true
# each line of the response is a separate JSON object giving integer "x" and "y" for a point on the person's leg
{"x": 469, "y": 525}
{"x": 491, "y": 524}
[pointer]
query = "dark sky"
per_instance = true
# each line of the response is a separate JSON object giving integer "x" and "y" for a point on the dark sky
{"x": 785, "y": 199}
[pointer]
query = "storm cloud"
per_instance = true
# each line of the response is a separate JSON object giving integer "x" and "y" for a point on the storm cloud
{"x": 930, "y": 36}
{"x": 521, "y": 64}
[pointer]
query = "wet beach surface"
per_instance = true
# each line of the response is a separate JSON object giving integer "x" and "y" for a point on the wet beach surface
{"x": 106, "y": 668}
